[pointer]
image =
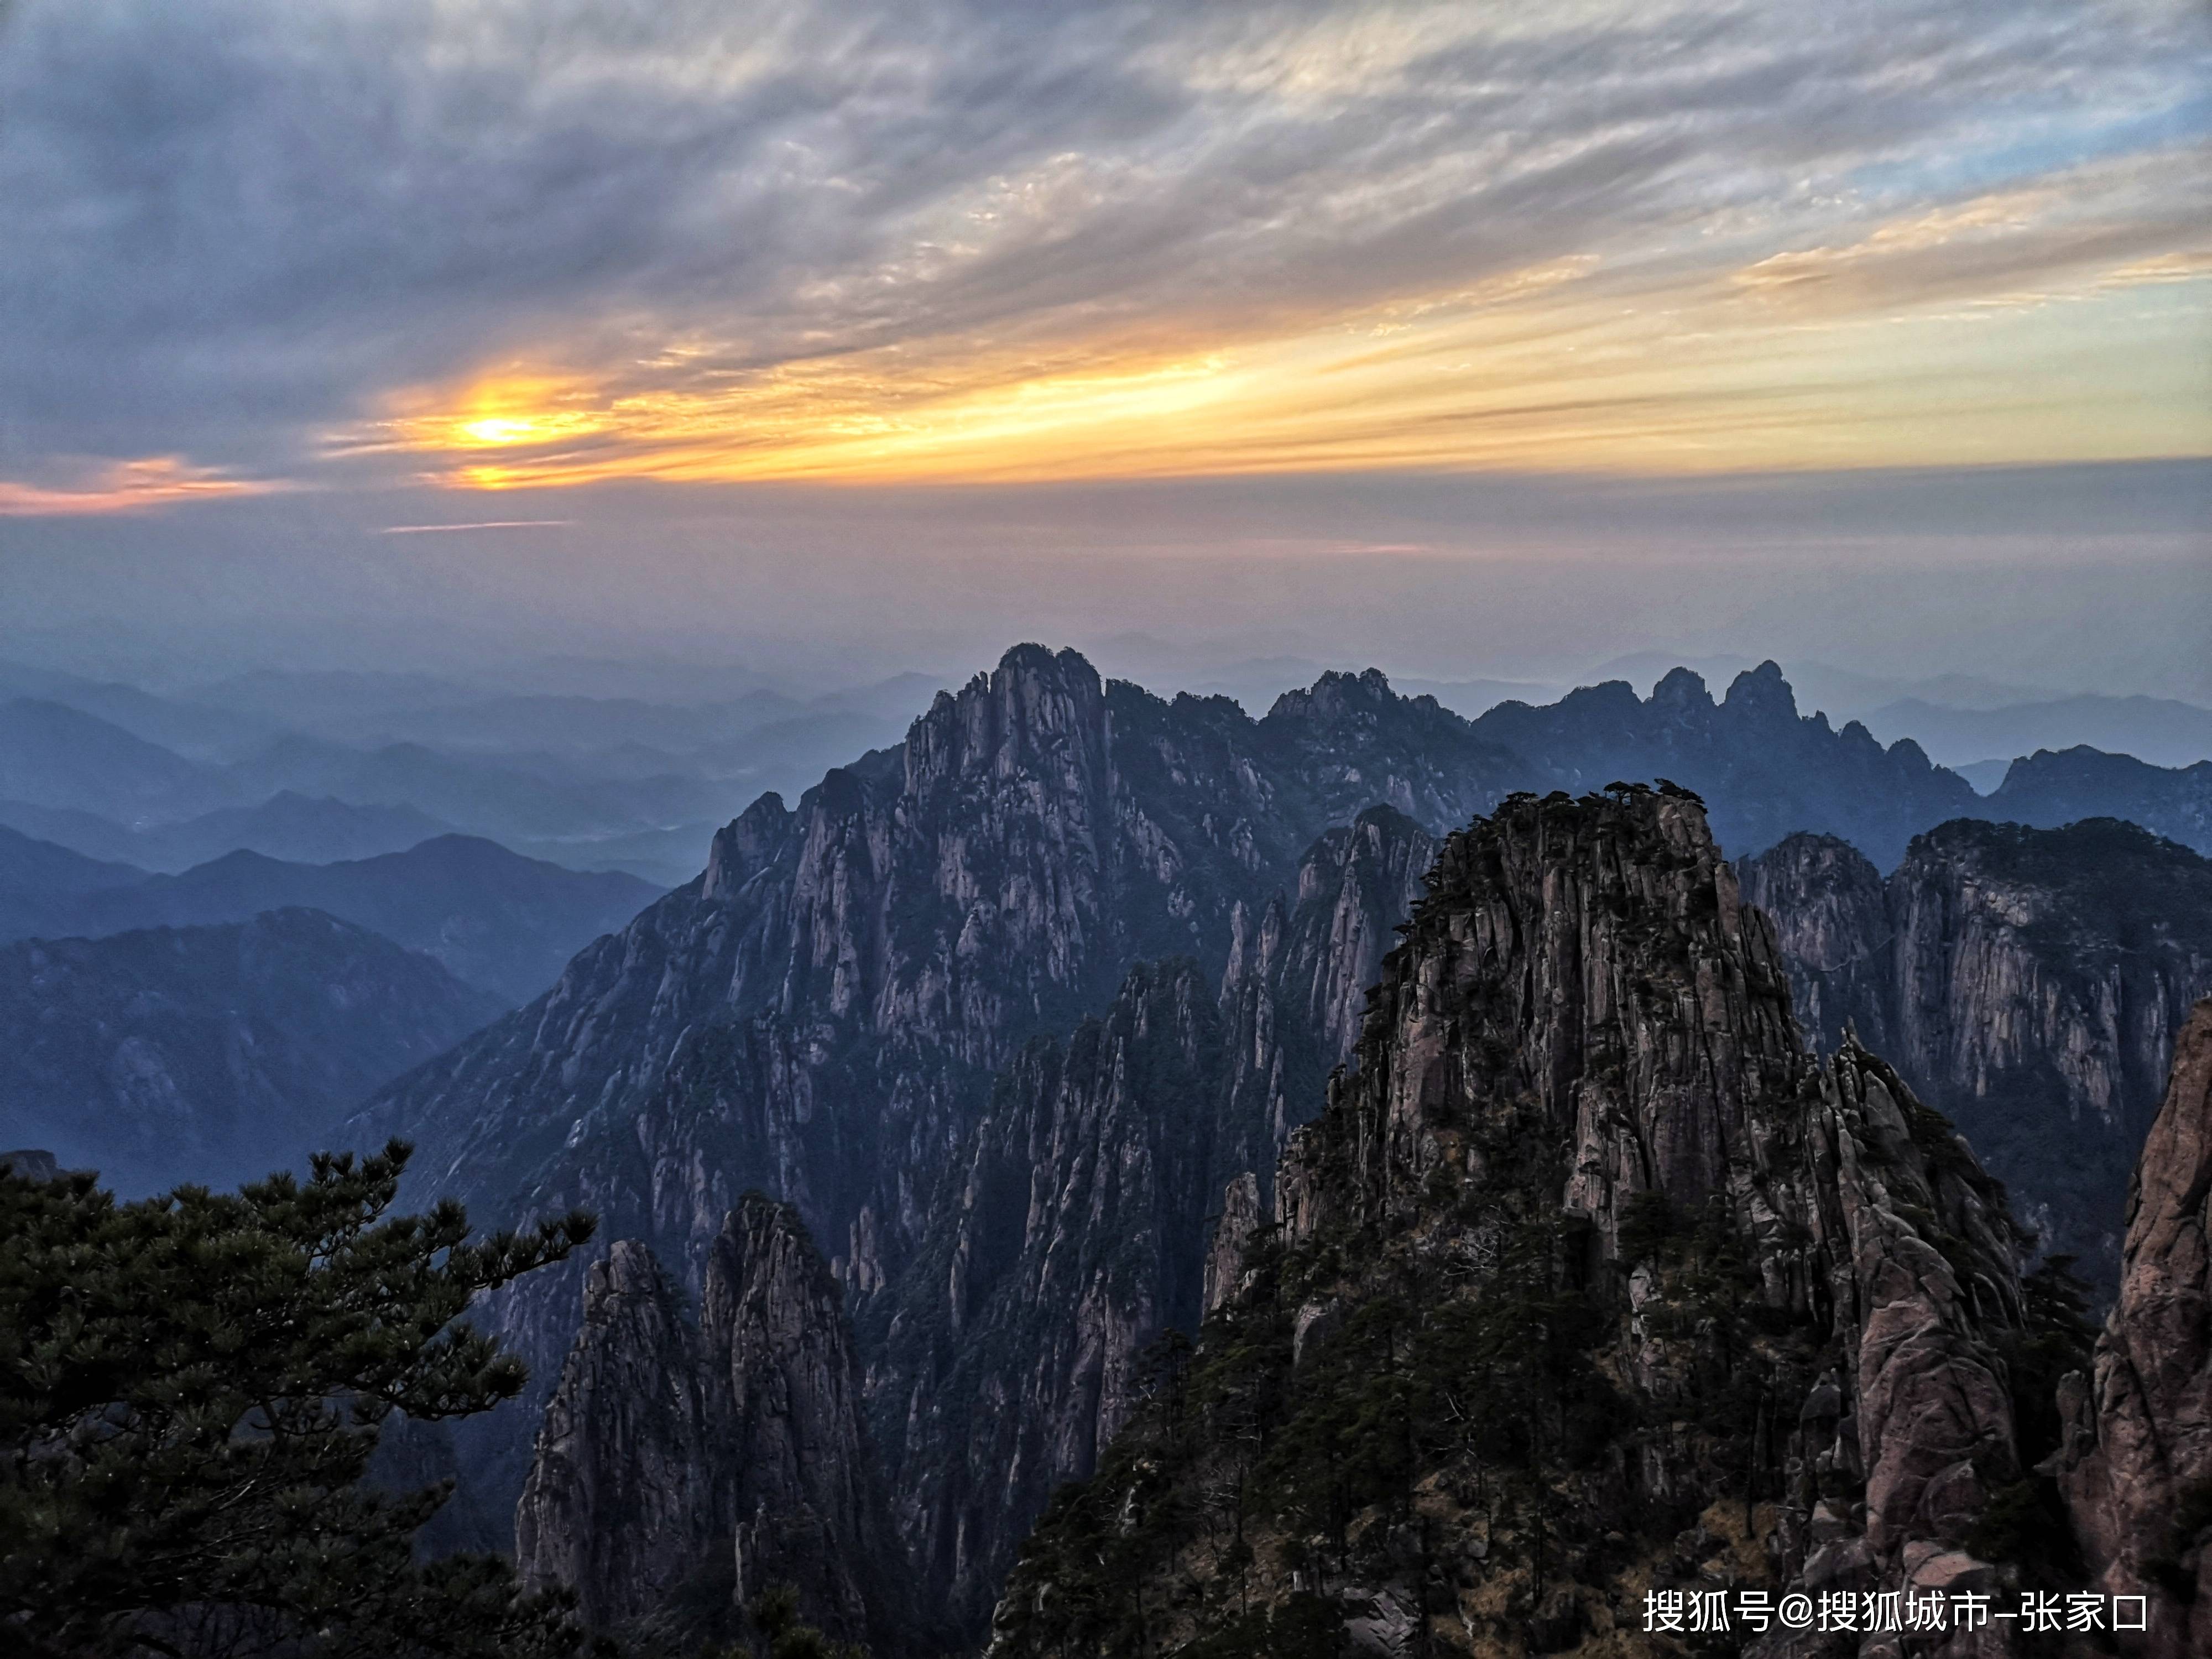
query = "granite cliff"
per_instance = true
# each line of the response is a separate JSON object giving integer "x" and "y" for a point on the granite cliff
{"x": 2027, "y": 982}
{"x": 1068, "y": 1247}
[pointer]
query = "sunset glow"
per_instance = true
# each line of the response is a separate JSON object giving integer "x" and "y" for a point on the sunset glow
{"x": 1602, "y": 236}
{"x": 1781, "y": 363}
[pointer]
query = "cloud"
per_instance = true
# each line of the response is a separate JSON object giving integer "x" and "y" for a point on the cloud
{"x": 314, "y": 239}
{"x": 2072, "y": 226}
{"x": 140, "y": 486}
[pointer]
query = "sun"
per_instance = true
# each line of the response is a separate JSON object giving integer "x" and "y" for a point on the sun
{"x": 504, "y": 431}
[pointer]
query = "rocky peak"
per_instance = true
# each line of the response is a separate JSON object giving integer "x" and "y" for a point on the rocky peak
{"x": 1764, "y": 771}
{"x": 1681, "y": 695}
{"x": 1038, "y": 711}
{"x": 1336, "y": 695}
{"x": 1762, "y": 694}
{"x": 623, "y": 1501}
{"x": 1564, "y": 930}
{"x": 746, "y": 847}
{"x": 786, "y": 1403}
{"x": 1589, "y": 1278}
{"x": 680, "y": 1469}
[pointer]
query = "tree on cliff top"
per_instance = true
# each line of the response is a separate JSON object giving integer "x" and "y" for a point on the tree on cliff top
{"x": 191, "y": 1388}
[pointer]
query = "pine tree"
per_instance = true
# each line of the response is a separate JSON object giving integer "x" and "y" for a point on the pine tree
{"x": 191, "y": 1388}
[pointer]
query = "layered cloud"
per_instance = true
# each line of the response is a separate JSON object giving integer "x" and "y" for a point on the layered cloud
{"x": 496, "y": 242}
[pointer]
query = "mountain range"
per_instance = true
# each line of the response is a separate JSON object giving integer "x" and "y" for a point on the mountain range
{"x": 212, "y": 1053}
{"x": 503, "y": 923}
{"x": 845, "y": 1011}
{"x": 923, "y": 1118}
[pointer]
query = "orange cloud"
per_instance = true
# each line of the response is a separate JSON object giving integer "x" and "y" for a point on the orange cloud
{"x": 138, "y": 486}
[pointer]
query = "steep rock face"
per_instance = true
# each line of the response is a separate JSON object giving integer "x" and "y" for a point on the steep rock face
{"x": 1831, "y": 916}
{"x": 1075, "y": 1231}
{"x": 1353, "y": 743}
{"x": 2029, "y": 982}
{"x": 1295, "y": 988}
{"x": 2058, "y": 787}
{"x": 680, "y": 1470}
{"x": 1016, "y": 1350}
{"x": 625, "y": 1499}
{"x": 1230, "y": 1246}
{"x": 1590, "y": 1279}
{"x": 2137, "y": 1471}
{"x": 213, "y": 1053}
{"x": 809, "y": 1503}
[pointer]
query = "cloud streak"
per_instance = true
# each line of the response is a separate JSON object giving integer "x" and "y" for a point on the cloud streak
{"x": 145, "y": 485}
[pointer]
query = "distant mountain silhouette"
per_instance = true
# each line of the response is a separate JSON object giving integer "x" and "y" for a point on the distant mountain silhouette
{"x": 1764, "y": 769}
{"x": 190, "y": 728}
{"x": 2158, "y": 730}
{"x": 212, "y": 1053}
{"x": 488, "y": 796}
{"x": 51, "y": 755}
{"x": 503, "y": 922}
{"x": 40, "y": 884}
{"x": 288, "y": 825}
{"x": 2046, "y": 789}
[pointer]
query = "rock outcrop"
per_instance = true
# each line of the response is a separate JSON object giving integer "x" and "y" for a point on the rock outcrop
{"x": 1018, "y": 1344}
{"x": 626, "y": 1497}
{"x": 2027, "y": 982}
{"x": 2137, "y": 1470}
{"x": 682, "y": 1469}
{"x": 1590, "y": 1279}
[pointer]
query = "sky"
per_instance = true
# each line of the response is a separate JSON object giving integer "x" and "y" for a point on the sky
{"x": 896, "y": 327}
